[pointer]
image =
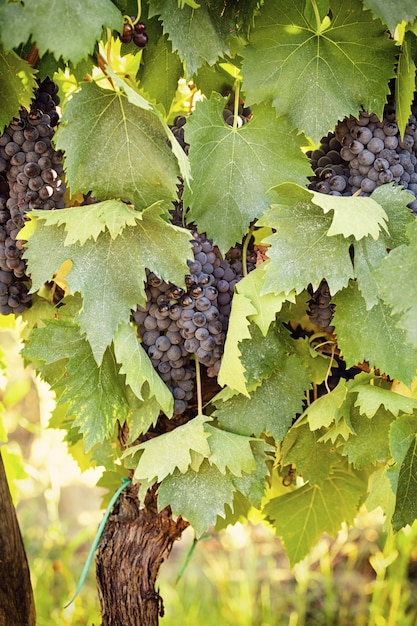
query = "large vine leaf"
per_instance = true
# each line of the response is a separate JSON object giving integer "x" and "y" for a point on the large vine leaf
{"x": 94, "y": 395}
{"x": 116, "y": 149}
{"x": 163, "y": 454}
{"x": 372, "y": 336}
{"x": 139, "y": 371}
{"x": 272, "y": 407}
{"x": 301, "y": 517}
{"x": 395, "y": 276}
{"x": 85, "y": 222}
{"x": 369, "y": 444}
{"x": 354, "y": 216}
{"x": 199, "y": 496}
{"x": 405, "y": 83}
{"x": 160, "y": 72}
{"x": 67, "y": 28}
{"x": 266, "y": 305}
{"x": 402, "y": 434}
{"x": 110, "y": 273}
{"x": 406, "y": 504}
{"x": 313, "y": 459}
{"x": 232, "y": 372}
{"x": 16, "y": 86}
{"x": 196, "y": 34}
{"x": 392, "y": 13}
{"x": 318, "y": 74}
{"x": 301, "y": 252}
{"x": 232, "y": 169}
{"x": 368, "y": 254}
{"x": 230, "y": 451}
{"x": 371, "y": 397}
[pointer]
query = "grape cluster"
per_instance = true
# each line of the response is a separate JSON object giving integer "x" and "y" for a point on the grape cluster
{"x": 134, "y": 31}
{"x": 178, "y": 325}
{"x": 177, "y": 128}
{"x": 31, "y": 174}
{"x": 321, "y": 308}
{"x": 364, "y": 153}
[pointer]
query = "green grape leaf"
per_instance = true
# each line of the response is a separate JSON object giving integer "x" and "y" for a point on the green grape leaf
{"x": 392, "y": 13}
{"x": 380, "y": 494}
{"x": 266, "y": 305}
{"x": 301, "y": 517}
{"x": 95, "y": 396}
{"x": 68, "y": 29}
{"x": 262, "y": 355}
{"x": 144, "y": 413}
{"x": 253, "y": 485}
{"x": 199, "y": 496}
{"x": 196, "y": 34}
{"x": 394, "y": 200}
{"x": 312, "y": 459}
{"x": 300, "y": 251}
{"x": 17, "y": 83}
{"x": 160, "y": 72}
{"x": 116, "y": 149}
{"x": 368, "y": 254}
{"x": 232, "y": 372}
{"x": 272, "y": 407}
{"x": 110, "y": 273}
{"x": 395, "y": 277}
{"x": 327, "y": 408}
{"x": 232, "y": 169}
{"x": 85, "y": 222}
{"x": 402, "y": 433}
{"x": 163, "y": 454}
{"x": 371, "y": 397}
{"x": 405, "y": 82}
{"x": 369, "y": 444}
{"x": 406, "y": 504}
{"x": 137, "y": 367}
{"x": 230, "y": 451}
{"x": 293, "y": 63}
{"x": 372, "y": 336}
{"x": 355, "y": 216}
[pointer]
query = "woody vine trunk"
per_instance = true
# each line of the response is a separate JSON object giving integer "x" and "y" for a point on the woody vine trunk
{"x": 135, "y": 542}
{"x": 17, "y": 606}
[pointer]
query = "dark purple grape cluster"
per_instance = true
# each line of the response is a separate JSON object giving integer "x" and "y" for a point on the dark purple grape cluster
{"x": 134, "y": 31}
{"x": 178, "y": 325}
{"x": 321, "y": 308}
{"x": 177, "y": 128}
{"x": 31, "y": 173}
{"x": 364, "y": 153}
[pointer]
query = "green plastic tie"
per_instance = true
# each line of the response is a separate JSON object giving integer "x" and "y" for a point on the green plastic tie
{"x": 126, "y": 482}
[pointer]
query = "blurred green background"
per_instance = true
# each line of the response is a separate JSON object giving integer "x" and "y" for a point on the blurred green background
{"x": 238, "y": 577}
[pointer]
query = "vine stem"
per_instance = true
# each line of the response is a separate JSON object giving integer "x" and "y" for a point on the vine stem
{"x": 245, "y": 249}
{"x": 317, "y": 15}
{"x": 236, "y": 104}
{"x": 198, "y": 383}
{"x": 329, "y": 368}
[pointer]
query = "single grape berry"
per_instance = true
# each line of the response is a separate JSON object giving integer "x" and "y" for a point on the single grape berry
{"x": 126, "y": 35}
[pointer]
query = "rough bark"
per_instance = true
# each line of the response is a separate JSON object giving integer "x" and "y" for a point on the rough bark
{"x": 17, "y": 607}
{"x": 134, "y": 543}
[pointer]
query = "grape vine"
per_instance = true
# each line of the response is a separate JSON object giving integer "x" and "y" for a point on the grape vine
{"x": 233, "y": 256}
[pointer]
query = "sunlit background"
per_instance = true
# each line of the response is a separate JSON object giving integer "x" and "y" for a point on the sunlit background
{"x": 238, "y": 577}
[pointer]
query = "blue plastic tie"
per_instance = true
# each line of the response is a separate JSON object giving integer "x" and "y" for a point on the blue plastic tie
{"x": 126, "y": 482}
